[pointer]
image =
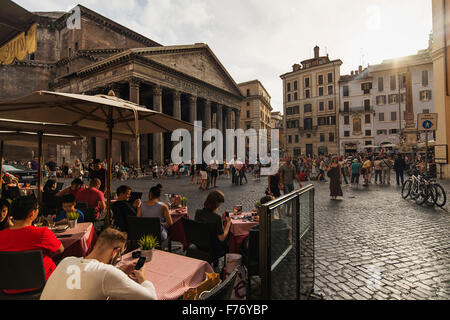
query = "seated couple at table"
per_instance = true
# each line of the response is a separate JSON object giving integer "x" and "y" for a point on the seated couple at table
{"x": 153, "y": 207}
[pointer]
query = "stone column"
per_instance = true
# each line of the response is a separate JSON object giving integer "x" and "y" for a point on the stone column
{"x": 135, "y": 146}
{"x": 158, "y": 142}
{"x": 237, "y": 119}
{"x": 228, "y": 124}
{"x": 228, "y": 118}
{"x": 192, "y": 118}
{"x": 176, "y": 104}
{"x": 207, "y": 114}
{"x": 219, "y": 117}
{"x": 192, "y": 109}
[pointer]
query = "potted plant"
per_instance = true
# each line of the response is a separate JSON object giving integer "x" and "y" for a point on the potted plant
{"x": 147, "y": 243}
{"x": 72, "y": 218}
{"x": 183, "y": 201}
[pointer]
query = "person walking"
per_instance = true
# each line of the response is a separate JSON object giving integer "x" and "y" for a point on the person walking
{"x": 287, "y": 175}
{"x": 343, "y": 165}
{"x": 386, "y": 166}
{"x": 378, "y": 170}
{"x": 366, "y": 168}
{"x": 335, "y": 174}
{"x": 356, "y": 171}
{"x": 399, "y": 167}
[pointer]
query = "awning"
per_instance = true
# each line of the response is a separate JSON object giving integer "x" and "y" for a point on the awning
{"x": 17, "y": 32}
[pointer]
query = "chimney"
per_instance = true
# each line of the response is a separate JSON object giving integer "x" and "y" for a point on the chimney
{"x": 356, "y": 72}
{"x": 316, "y": 52}
{"x": 360, "y": 69}
{"x": 352, "y": 73}
{"x": 296, "y": 67}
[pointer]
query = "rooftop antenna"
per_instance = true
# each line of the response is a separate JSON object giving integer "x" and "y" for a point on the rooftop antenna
{"x": 326, "y": 51}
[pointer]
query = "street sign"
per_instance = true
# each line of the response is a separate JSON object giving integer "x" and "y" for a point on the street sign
{"x": 441, "y": 154}
{"x": 427, "y": 121}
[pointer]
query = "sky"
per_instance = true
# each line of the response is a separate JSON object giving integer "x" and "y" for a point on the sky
{"x": 262, "y": 39}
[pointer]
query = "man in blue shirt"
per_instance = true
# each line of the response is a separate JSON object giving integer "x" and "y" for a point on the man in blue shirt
{"x": 68, "y": 204}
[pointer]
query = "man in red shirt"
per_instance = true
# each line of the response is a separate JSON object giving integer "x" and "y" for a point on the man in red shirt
{"x": 23, "y": 236}
{"x": 99, "y": 173}
{"x": 93, "y": 197}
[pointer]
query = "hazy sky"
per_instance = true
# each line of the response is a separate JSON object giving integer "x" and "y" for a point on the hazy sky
{"x": 262, "y": 39}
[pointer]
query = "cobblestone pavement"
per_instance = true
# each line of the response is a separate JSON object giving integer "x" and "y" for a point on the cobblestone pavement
{"x": 371, "y": 245}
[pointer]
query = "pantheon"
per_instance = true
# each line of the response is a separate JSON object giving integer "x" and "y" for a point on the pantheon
{"x": 96, "y": 55}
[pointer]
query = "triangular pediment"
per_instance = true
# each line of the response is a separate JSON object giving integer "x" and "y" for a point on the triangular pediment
{"x": 196, "y": 61}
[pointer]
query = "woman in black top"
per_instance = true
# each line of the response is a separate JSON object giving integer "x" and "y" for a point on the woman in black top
{"x": 274, "y": 185}
{"x": 209, "y": 215}
{"x": 51, "y": 202}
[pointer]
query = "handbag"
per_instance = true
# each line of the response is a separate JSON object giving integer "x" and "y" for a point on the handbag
{"x": 329, "y": 175}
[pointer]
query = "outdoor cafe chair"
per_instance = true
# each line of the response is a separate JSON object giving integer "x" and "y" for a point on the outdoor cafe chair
{"x": 142, "y": 226}
{"x": 22, "y": 270}
{"x": 223, "y": 290}
{"x": 201, "y": 241}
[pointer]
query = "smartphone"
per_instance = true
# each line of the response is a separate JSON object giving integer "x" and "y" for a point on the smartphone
{"x": 227, "y": 214}
{"x": 140, "y": 263}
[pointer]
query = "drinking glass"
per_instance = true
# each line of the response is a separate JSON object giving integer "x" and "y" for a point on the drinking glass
{"x": 51, "y": 221}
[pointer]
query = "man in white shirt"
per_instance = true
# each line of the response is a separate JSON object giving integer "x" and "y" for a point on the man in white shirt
{"x": 96, "y": 278}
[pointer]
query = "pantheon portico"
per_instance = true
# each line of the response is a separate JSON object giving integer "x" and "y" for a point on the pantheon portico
{"x": 186, "y": 82}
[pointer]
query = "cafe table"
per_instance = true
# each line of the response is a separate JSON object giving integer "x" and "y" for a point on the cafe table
{"x": 77, "y": 242}
{"x": 240, "y": 228}
{"x": 172, "y": 274}
{"x": 176, "y": 230}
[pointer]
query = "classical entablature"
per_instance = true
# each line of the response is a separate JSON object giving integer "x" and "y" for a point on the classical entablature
{"x": 192, "y": 69}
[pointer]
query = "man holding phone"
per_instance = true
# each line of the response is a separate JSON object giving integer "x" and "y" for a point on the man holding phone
{"x": 96, "y": 277}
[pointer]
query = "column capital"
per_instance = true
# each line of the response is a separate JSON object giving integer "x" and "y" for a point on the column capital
{"x": 157, "y": 90}
{"x": 207, "y": 102}
{"x": 192, "y": 99}
{"x": 135, "y": 82}
{"x": 176, "y": 94}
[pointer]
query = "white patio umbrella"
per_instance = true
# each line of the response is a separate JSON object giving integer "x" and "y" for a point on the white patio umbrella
{"x": 389, "y": 145}
{"x": 106, "y": 114}
{"x": 370, "y": 147}
{"x": 30, "y": 139}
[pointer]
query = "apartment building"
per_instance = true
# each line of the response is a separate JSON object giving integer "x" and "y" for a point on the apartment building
{"x": 311, "y": 106}
{"x": 356, "y": 115}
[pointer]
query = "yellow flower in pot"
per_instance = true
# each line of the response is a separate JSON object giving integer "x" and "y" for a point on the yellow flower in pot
{"x": 147, "y": 243}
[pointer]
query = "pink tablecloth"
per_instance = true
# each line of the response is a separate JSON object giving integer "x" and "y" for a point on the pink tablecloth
{"x": 80, "y": 243}
{"x": 176, "y": 230}
{"x": 173, "y": 274}
{"x": 238, "y": 231}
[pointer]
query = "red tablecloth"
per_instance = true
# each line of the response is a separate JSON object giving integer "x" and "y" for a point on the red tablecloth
{"x": 172, "y": 274}
{"x": 238, "y": 231}
{"x": 176, "y": 230}
{"x": 80, "y": 243}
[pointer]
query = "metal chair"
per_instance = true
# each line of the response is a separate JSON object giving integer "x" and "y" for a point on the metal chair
{"x": 223, "y": 290}
{"x": 202, "y": 243}
{"x": 141, "y": 226}
{"x": 19, "y": 271}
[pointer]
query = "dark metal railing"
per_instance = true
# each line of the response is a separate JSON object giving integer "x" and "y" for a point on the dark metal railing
{"x": 286, "y": 238}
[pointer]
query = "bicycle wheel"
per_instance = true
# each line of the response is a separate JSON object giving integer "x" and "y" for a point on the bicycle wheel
{"x": 422, "y": 195}
{"x": 414, "y": 190}
{"x": 440, "y": 195}
{"x": 406, "y": 189}
{"x": 431, "y": 201}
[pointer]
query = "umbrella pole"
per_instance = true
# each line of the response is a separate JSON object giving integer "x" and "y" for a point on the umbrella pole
{"x": 110, "y": 124}
{"x": 39, "y": 182}
{"x": 1, "y": 165}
